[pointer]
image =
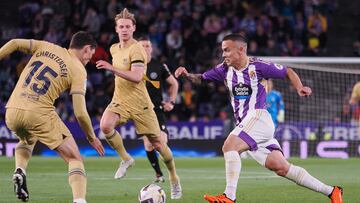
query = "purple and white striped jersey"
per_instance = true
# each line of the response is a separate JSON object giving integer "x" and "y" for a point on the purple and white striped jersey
{"x": 246, "y": 87}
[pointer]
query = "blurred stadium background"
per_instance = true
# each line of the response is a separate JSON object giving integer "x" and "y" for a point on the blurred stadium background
{"x": 319, "y": 38}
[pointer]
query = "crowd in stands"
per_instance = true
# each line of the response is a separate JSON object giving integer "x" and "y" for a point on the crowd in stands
{"x": 184, "y": 32}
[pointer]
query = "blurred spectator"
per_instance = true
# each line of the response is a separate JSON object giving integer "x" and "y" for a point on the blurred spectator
{"x": 91, "y": 22}
{"x": 356, "y": 46}
{"x": 271, "y": 48}
{"x": 184, "y": 32}
{"x": 174, "y": 42}
{"x": 317, "y": 26}
{"x": 188, "y": 101}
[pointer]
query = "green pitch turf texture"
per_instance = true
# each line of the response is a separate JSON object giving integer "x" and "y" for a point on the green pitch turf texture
{"x": 47, "y": 180}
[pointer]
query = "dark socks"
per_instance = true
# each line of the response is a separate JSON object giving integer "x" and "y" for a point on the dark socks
{"x": 154, "y": 161}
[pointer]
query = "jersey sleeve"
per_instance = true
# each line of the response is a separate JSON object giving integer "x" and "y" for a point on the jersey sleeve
{"x": 218, "y": 73}
{"x": 24, "y": 45}
{"x": 272, "y": 70}
{"x": 37, "y": 44}
{"x": 165, "y": 72}
{"x": 137, "y": 55}
{"x": 78, "y": 80}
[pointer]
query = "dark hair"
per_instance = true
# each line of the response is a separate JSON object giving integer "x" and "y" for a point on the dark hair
{"x": 81, "y": 39}
{"x": 143, "y": 38}
{"x": 236, "y": 37}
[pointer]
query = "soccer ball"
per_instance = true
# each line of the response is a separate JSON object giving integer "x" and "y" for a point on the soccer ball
{"x": 152, "y": 193}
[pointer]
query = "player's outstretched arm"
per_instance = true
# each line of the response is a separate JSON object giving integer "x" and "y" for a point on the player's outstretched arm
{"x": 83, "y": 118}
{"x": 296, "y": 82}
{"x": 182, "y": 72}
{"x": 23, "y": 45}
{"x": 134, "y": 75}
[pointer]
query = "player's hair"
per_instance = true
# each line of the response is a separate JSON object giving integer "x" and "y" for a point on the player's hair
{"x": 236, "y": 37}
{"x": 125, "y": 14}
{"x": 81, "y": 39}
{"x": 143, "y": 38}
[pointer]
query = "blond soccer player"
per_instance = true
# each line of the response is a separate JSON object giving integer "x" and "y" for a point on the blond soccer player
{"x": 355, "y": 97}
{"x": 30, "y": 112}
{"x": 131, "y": 100}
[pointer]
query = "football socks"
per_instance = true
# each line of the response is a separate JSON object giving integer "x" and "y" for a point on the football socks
{"x": 301, "y": 177}
{"x": 115, "y": 141}
{"x": 77, "y": 179}
{"x": 232, "y": 170}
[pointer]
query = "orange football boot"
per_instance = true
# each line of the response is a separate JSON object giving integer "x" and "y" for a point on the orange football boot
{"x": 218, "y": 199}
{"x": 336, "y": 195}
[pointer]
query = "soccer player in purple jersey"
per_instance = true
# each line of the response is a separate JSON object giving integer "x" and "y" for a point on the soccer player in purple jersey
{"x": 245, "y": 78}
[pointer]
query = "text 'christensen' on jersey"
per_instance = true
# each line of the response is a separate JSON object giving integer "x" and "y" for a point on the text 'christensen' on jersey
{"x": 247, "y": 86}
{"x": 50, "y": 71}
{"x": 60, "y": 61}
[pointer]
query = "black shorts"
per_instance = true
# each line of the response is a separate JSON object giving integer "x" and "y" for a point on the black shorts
{"x": 160, "y": 114}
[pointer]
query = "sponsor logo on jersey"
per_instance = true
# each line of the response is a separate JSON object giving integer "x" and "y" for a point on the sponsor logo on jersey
{"x": 242, "y": 91}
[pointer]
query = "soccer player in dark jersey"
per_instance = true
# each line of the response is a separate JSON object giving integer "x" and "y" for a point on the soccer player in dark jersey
{"x": 245, "y": 78}
{"x": 158, "y": 73}
{"x": 30, "y": 111}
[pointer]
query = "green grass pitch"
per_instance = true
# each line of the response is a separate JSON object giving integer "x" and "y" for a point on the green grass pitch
{"x": 47, "y": 180}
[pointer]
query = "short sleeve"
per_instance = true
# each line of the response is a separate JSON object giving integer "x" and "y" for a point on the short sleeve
{"x": 78, "y": 81}
{"x": 165, "y": 72}
{"x": 137, "y": 55}
{"x": 272, "y": 70}
{"x": 218, "y": 73}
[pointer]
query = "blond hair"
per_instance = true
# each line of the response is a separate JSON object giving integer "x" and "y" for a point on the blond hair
{"x": 125, "y": 14}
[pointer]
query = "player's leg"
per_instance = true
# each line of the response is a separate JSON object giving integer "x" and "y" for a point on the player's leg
{"x": 153, "y": 159}
{"x": 108, "y": 122}
{"x": 146, "y": 124}
{"x": 69, "y": 151}
{"x": 276, "y": 162}
{"x": 23, "y": 151}
{"x": 231, "y": 148}
{"x": 241, "y": 139}
{"x": 168, "y": 159}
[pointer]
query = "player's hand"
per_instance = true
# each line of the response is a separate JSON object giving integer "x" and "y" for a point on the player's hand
{"x": 168, "y": 106}
{"x": 304, "y": 91}
{"x": 104, "y": 65}
{"x": 96, "y": 144}
{"x": 181, "y": 71}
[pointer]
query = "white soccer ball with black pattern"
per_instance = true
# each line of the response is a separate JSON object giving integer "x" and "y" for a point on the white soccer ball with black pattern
{"x": 152, "y": 193}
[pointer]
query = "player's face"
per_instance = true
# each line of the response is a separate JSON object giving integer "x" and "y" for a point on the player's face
{"x": 232, "y": 52}
{"x": 87, "y": 53}
{"x": 125, "y": 29}
{"x": 148, "y": 48}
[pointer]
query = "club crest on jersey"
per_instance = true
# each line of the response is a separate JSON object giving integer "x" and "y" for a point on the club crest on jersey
{"x": 153, "y": 75}
{"x": 252, "y": 75}
{"x": 242, "y": 91}
{"x": 125, "y": 61}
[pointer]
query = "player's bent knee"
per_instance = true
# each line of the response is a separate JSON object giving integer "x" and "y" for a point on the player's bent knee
{"x": 158, "y": 146}
{"x": 278, "y": 167}
{"x": 106, "y": 128}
